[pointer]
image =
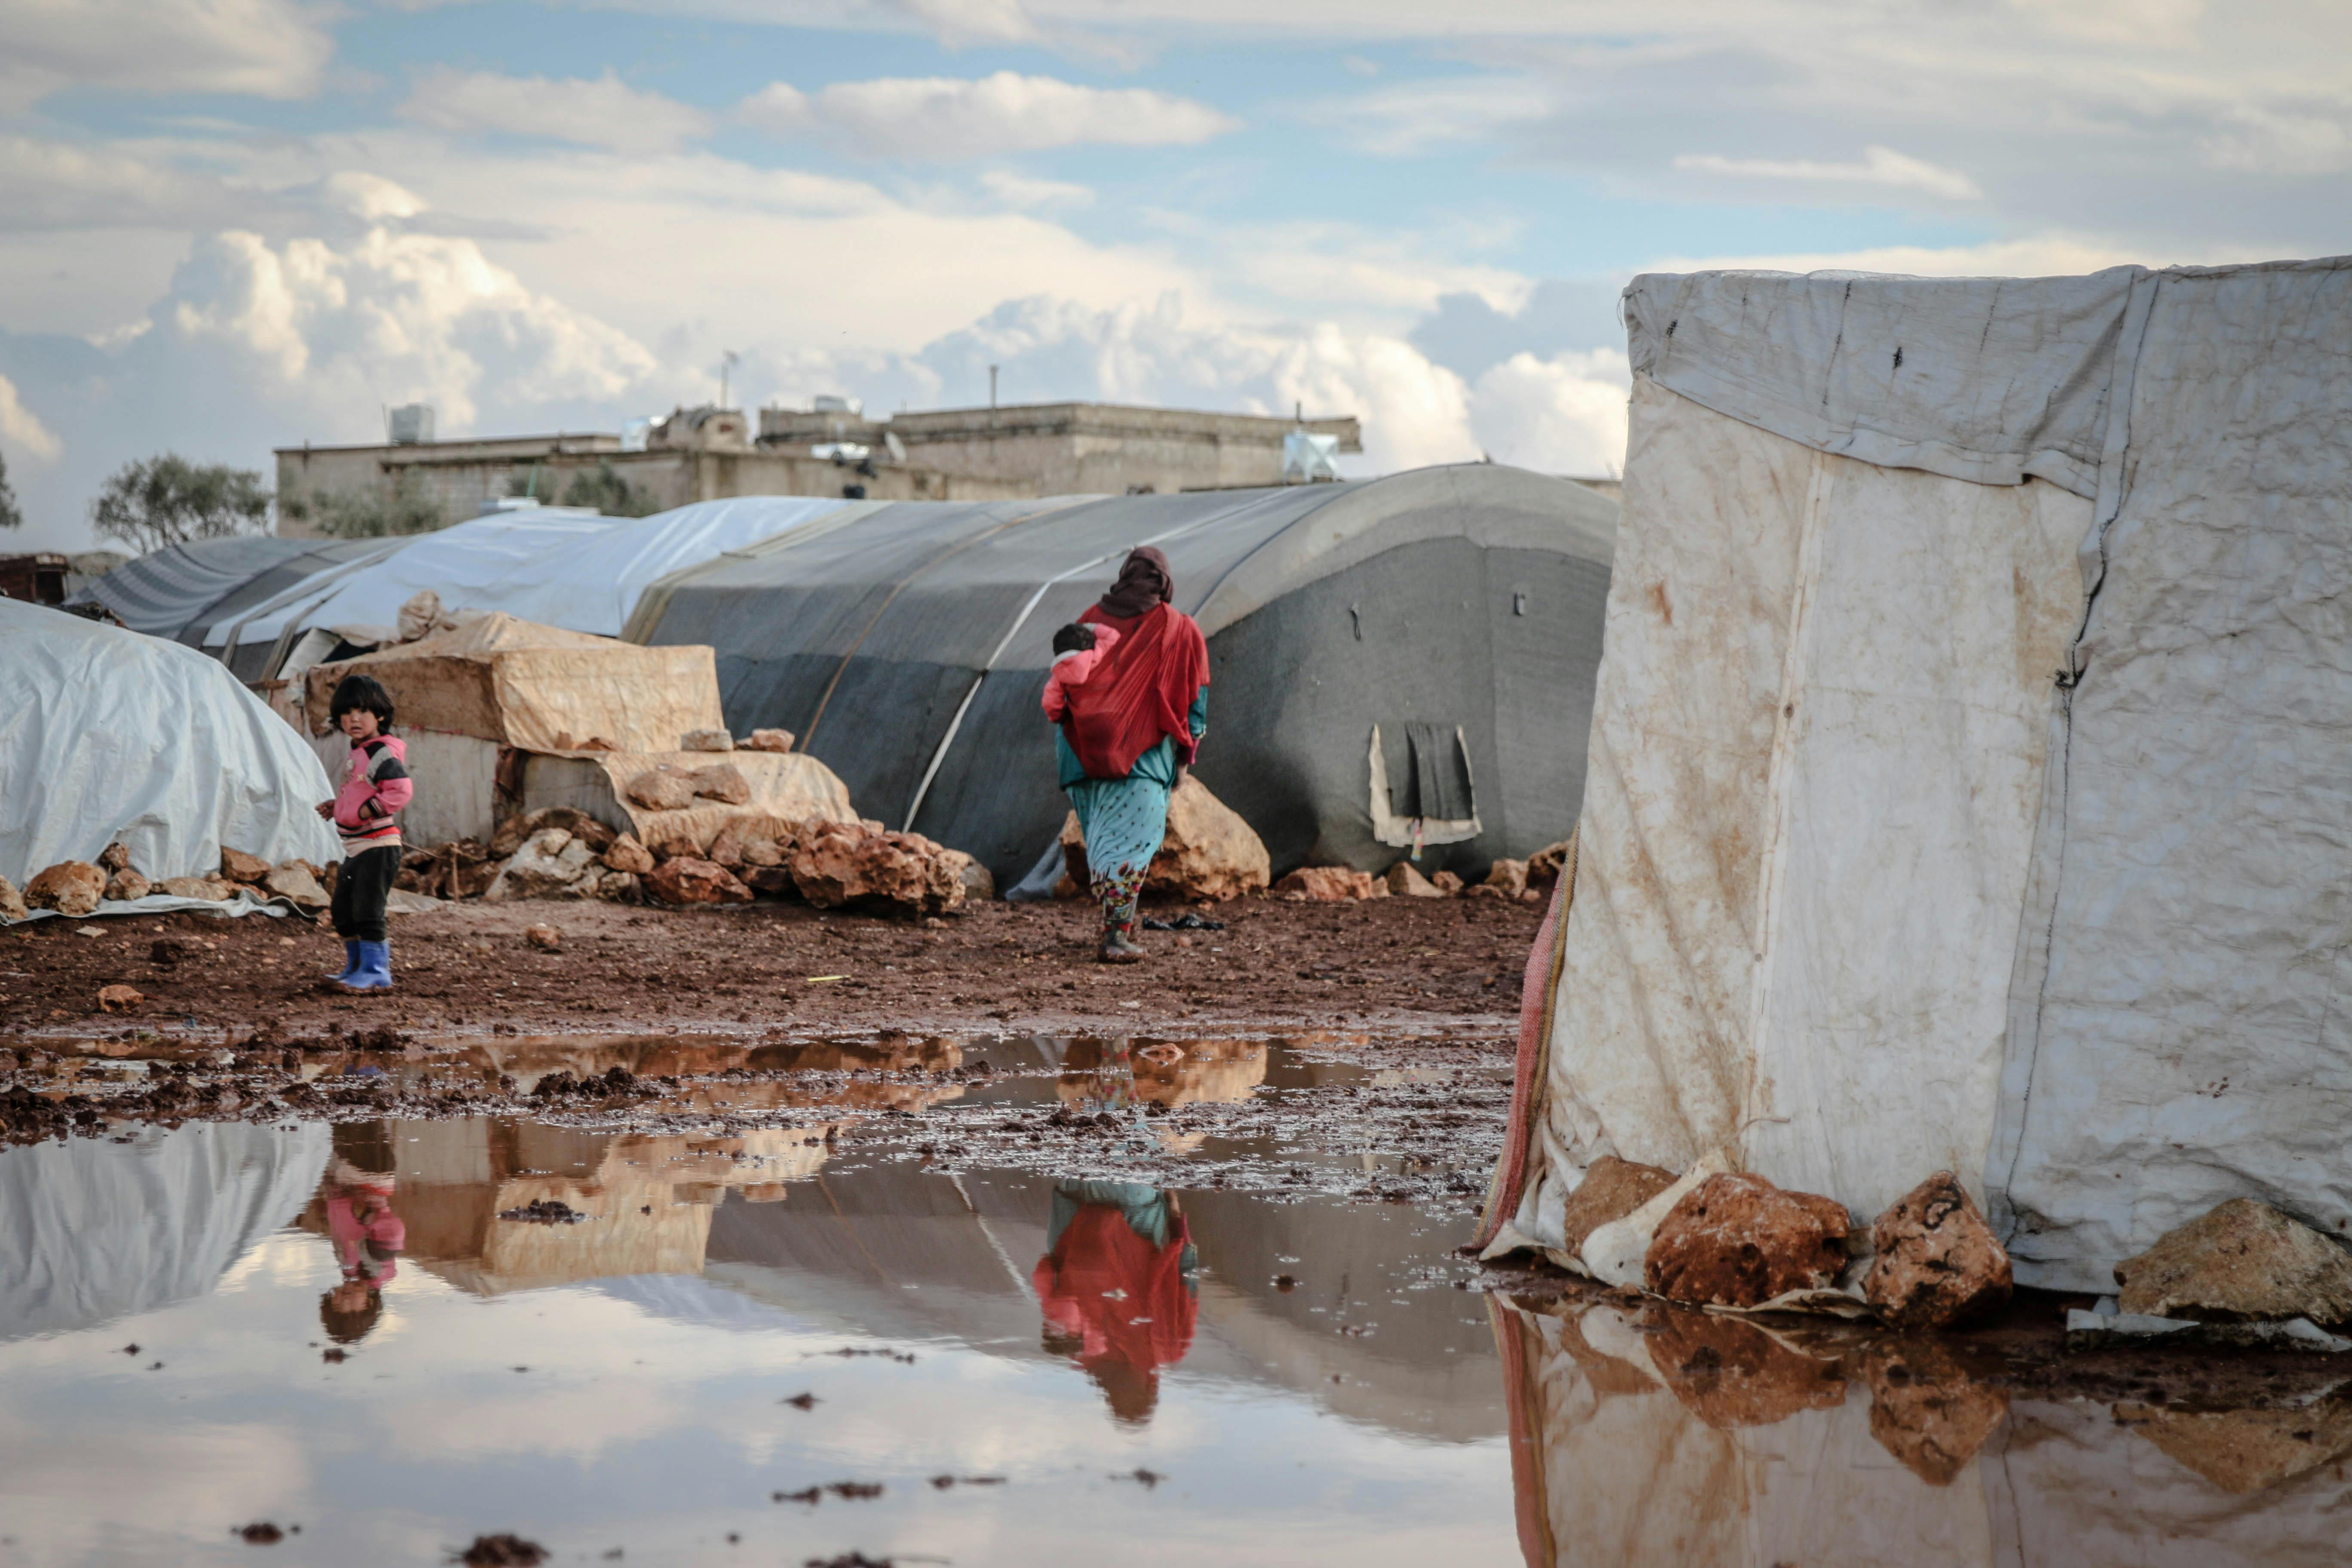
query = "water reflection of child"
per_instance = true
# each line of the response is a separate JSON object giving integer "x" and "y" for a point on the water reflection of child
{"x": 1117, "y": 1285}
{"x": 367, "y": 1237}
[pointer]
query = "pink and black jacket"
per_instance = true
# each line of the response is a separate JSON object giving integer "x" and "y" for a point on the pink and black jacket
{"x": 375, "y": 786}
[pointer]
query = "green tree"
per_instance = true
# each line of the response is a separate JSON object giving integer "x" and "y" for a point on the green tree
{"x": 603, "y": 488}
{"x": 372, "y": 514}
{"x": 169, "y": 500}
{"x": 11, "y": 516}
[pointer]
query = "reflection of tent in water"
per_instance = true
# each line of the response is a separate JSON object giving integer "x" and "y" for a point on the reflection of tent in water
{"x": 97, "y": 1231}
{"x": 1456, "y": 611}
{"x": 1698, "y": 1440}
{"x": 1967, "y": 769}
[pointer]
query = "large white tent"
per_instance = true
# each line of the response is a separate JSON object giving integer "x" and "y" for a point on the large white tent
{"x": 1968, "y": 757}
{"x": 108, "y": 734}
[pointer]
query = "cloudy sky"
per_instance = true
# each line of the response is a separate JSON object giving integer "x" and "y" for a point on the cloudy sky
{"x": 231, "y": 224}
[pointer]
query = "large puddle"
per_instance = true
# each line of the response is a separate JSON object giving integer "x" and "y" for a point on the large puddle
{"x": 772, "y": 1321}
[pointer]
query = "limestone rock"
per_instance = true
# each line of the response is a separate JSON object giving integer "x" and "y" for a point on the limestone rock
{"x": 1328, "y": 885}
{"x": 1446, "y": 882}
{"x": 1209, "y": 852}
{"x": 1405, "y": 882}
{"x": 675, "y": 847}
{"x": 239, "y": 866}
{"x": 1614, "y": 1253}
{"x": 293, "y": 882}
{"x": 766, "y": 740}
{"x": 1737, "y": 1240}
{"x": 836, "y": 863}
{"x": 726, "y": 850}
{"x": 550, "y": 864}
{"x": 1611, "y": 1189}
{"x": 12, "y": 903}
{"x": 765, "y": 852}
{"x": 621, "y": 887}
{"x": 2244, "y": 1262}
{"x": 705, "y": 741}
{"x": 1938, "y": 1263}
{"x": 126, "y": 885}
{"x": 579, "y": 824}
{"x": 1731, "y": 1373}
{"x": 722, "y": 782}
{"x": 215, "y": 889}
{"x": 115, "y": 857}
{"x": 1544, "y": 865}
{"x": 658, "y": 789}
{"x": 545, "y": 938}
{"x": 1508, "y": 878}
{"x": 70, "y": 887}
{"x": 119, "y": 998}
{"x": 978, "y": 881}
{"x": 773, "y": 881}
{"x": 684, "y": 880}
{"x": 1928, "y": 1412}
{"x": 628, "y": 855}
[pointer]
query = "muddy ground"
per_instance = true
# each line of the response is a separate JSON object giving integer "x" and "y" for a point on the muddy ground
{"x": 1419, "y": 963}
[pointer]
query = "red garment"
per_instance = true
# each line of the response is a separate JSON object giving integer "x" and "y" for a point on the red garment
{"x": 1148, "y": 1324}
{"x": 1142, "y": 690}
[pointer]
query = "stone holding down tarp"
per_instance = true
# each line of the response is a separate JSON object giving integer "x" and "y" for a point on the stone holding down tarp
{"x": 1965, "y": 782}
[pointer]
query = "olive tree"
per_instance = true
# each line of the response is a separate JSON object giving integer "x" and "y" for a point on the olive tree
{"x": 169, "y": 500}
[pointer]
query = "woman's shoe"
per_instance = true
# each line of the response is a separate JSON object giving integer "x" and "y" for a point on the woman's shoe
{"x": 350, "y": 964}
{"x": 1119, "y": 948}
{"x": 374, "y": 973}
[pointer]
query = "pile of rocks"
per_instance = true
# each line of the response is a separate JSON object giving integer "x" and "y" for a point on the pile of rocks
{"x": 1529, "y": 880}
{"x": 76, "y": 888}
{"x": 563, "y": 853}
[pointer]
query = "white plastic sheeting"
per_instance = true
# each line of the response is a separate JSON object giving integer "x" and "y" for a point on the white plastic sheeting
{"x": 1866, "y": 888}
{"x": 108, "y": 734}
{"x": 583, "y": 574}
{"x": 97, "y": 1232}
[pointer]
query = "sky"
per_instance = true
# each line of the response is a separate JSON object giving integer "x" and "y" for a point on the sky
{"x": 227, "y": 226}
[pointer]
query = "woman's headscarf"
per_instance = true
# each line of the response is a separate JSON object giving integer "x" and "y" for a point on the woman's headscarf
{"x": 1144, "y": 582}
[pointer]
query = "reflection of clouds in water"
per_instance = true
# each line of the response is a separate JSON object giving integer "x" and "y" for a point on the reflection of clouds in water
{"x": 1681, "y": 1438}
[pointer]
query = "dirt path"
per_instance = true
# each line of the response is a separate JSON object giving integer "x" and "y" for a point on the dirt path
{"x": 1419, "y": 964}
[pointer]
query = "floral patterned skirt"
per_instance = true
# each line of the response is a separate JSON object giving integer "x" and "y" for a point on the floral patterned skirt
{"x": 1124, "y": 821}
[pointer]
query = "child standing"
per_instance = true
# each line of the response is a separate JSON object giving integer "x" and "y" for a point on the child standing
{"x": 367, "y": 813}
{"x": 1077, "y": 648}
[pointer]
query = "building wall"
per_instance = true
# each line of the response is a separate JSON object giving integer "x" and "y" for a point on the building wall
{"x": 459, "y": 475}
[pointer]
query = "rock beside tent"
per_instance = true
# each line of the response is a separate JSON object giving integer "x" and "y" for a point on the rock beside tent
{"x": 1209, "y": 853}
{"x": 76, "y": 889}
{"x": 564, "y": 853}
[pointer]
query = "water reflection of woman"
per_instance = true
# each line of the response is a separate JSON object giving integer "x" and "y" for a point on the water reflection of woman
{"x": 367, "y": 1237}
{"x": 1118, "y": 1288}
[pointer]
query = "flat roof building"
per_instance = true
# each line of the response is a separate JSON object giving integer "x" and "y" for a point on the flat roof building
{"x": 709, "y": 453}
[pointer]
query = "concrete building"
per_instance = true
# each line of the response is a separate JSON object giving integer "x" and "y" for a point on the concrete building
{"x": 709, "y": 454}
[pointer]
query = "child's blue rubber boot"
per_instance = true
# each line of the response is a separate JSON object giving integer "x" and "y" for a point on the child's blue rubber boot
{"x": 350, "y": 963}
{"x": 374, "y": 970}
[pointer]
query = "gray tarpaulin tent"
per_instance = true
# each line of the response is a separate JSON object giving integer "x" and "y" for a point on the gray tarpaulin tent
{"x": 1454, "y": 611}
{"x": 1969, "y": 761}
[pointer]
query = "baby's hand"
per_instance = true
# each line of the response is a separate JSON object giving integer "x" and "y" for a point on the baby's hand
{"x": 326, "y": 809}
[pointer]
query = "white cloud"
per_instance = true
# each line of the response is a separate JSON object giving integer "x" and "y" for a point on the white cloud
{"x": 271, "y": 48}
{"x": 1881, "y": 166}
{"x": 1424, "y": 116}
{"x": 1021, "y": 191}
{"x": 1565, "y": 414}
{"x": 601, "y": 111}
{"x": 21, "y": 429}
{"x": 949, "y": 119}
{"x": 2307, "y": 140}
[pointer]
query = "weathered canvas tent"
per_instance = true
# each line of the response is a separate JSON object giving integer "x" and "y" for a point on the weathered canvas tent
{"x": 1411, "y": 651}
{"x": 1966, "y": 781}
{"x": 106, "y": 734}
{"x": 503, "y": 715}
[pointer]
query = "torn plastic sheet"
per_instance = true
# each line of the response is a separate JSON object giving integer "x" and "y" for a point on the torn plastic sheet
{"x": 243, "y": 903}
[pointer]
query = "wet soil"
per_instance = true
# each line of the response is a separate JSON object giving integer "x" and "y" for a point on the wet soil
{"x": 1026, "y": 966}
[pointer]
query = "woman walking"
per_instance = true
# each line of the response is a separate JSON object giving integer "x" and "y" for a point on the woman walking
{"x": 1129, "y": 728}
